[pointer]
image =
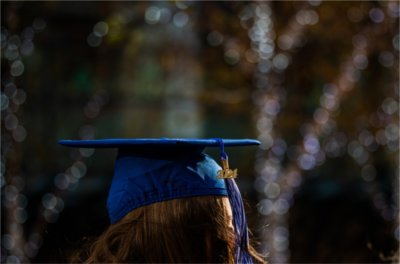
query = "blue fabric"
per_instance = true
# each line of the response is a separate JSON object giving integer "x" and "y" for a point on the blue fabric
{"x": 158, "y": 142}
{"x": 142, "y": 181}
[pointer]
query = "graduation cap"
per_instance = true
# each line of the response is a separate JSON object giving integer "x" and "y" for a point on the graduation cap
{"x": 154, "y": 170}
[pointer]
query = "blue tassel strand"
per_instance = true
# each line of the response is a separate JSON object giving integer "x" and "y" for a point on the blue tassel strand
{"x": 239, "y": 220}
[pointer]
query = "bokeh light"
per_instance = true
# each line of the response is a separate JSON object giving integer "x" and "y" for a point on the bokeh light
{"x": 320, "y": 92}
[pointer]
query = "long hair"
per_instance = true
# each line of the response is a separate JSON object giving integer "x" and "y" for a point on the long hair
{"x": 189, "y": 230}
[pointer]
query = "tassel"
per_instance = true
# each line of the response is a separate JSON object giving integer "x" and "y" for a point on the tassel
{"x": 239, "y": 220}
{"x": 242, "y": 254}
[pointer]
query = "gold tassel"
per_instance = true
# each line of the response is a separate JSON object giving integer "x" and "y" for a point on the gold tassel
{"x": 226, "y": 173}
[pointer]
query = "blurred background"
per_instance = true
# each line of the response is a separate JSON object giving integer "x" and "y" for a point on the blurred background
{"x": 316, "y": 82}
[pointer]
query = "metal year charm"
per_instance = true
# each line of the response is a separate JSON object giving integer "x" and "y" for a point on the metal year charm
{"x": 226, "y": 173}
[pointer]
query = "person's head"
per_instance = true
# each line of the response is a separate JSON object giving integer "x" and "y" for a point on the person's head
{"x": 169, "y": 200}
{"x": 189, "y": 230}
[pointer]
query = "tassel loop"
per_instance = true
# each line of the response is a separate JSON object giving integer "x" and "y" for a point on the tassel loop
{"x": 226, "y": 172}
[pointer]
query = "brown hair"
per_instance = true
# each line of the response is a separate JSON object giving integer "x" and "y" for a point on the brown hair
{"x": 181, "y": 230}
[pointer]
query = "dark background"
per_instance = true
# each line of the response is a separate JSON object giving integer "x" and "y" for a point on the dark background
{"x": 315, "y": 82}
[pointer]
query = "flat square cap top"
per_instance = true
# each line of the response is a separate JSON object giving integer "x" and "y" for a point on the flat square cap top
{"x": 161, "y": 142}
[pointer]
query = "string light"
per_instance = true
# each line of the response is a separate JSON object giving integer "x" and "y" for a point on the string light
{"x": 21, "y": 249}
{"x": 15, "y": 48}
{"x": 52, "y": 202}
{"x": 277, "y": 184}
{"x": 270, "y": 97}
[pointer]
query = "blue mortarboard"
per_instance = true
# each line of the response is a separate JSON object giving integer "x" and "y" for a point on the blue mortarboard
{"x": 153, "y": 170}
